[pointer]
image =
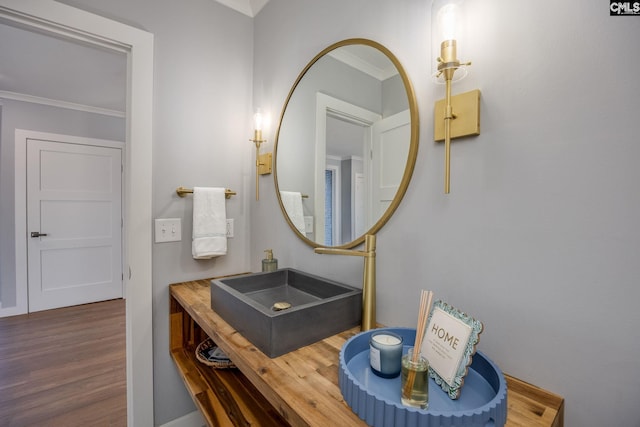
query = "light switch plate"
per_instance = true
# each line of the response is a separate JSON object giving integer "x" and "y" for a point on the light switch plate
{"x": 168, "y": 230}
{"x": 308, "y": 224}
{"x": 230, "y": 231}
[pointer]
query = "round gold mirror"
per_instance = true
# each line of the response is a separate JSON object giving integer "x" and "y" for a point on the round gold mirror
{"x": 346, "y": 145}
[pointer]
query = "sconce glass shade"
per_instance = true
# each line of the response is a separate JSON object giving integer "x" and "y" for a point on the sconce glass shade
{"x": 448, "y": 38}
{"x": 263, "y": 161}
{"x": 258, "y": 120}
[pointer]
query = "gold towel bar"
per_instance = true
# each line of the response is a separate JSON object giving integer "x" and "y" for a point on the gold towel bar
{"x": 182, "y": 191}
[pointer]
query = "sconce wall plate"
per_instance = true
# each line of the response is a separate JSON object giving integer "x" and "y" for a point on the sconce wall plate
{"x": 264, "y": 167}
{"x": 466, "y": 108}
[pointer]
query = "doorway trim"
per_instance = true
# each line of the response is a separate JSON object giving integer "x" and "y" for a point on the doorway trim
{"x": 68, "y": 21}
{"x": 329, "y": 106}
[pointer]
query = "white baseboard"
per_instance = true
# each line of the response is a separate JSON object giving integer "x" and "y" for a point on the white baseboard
{"x": 11, "y": 311}
{"x": 194, "y": 419}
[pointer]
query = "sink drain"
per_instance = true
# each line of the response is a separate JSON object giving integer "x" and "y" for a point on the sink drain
{"x": 280, "y": 305}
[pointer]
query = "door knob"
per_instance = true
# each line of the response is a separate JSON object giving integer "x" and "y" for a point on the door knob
{"x": 37, "y": 234}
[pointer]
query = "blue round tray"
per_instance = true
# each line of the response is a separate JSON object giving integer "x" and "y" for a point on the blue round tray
{"x": 376, "y": 400}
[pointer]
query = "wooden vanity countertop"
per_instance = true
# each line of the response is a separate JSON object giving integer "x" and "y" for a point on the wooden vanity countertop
{"x": 303, "y": 385}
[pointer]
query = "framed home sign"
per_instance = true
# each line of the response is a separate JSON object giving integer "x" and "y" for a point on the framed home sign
{"x": 449, "y": 345}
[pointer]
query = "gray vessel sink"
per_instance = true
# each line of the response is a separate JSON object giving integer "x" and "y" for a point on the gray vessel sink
{"x": 318, "y": 308}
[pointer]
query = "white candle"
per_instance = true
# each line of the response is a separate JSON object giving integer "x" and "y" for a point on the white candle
{"x": 385, "y": 354}
{"x": 386, "y": 339}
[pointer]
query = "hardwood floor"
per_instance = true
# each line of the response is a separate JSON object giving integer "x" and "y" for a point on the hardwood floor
{"x": 64, "y": 367}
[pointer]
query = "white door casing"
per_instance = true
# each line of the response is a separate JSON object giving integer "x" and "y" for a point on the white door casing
{"x": 57, "y": 18}
{"x": 359, "y": 226}
{"x": 328, "y": 105}
{"x": 336, "y": 202}
{"x": 74, "y": 217}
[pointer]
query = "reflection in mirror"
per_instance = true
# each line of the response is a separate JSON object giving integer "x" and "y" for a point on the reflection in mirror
{"x": 346, "y": 145}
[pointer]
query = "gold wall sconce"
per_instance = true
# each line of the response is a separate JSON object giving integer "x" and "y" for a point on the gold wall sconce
{"x": 454, "y": 116}
{"x": 263, "y": 161}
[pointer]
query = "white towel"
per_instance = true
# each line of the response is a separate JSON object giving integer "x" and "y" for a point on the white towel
{"x": 209, "y": 223}
{"x": 292, "y": 202}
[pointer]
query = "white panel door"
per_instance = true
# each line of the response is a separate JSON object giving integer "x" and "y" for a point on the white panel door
{"x": 391, "y": 141}
{"x": 74, "y": 224}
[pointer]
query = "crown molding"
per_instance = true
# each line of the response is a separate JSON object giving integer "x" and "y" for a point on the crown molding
{"x": 247, "y": 7}
{"x": 60, "y": 104}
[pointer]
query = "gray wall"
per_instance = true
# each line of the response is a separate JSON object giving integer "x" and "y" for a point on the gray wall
{"x": 202, "y": 125}
{"x": 539, "y": 237}
{"x": 394, "y": 96}
{"x": 330, "y": 77}
{"x": 28, "y": 116}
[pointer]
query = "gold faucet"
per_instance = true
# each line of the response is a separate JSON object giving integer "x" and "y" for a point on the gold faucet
{"x": 368, "y": 279}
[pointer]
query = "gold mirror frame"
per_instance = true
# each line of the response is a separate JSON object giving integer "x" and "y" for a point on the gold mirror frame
{"x": 413, "y": 146}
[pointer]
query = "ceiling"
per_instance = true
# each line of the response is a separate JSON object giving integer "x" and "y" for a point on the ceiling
{"x": 54, "y": 70}
{"x": 40, "y": 68}
{"x": 366, "y": 59}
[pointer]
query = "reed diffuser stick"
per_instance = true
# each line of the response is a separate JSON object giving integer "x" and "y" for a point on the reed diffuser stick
{"x": 426, "y": 299}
